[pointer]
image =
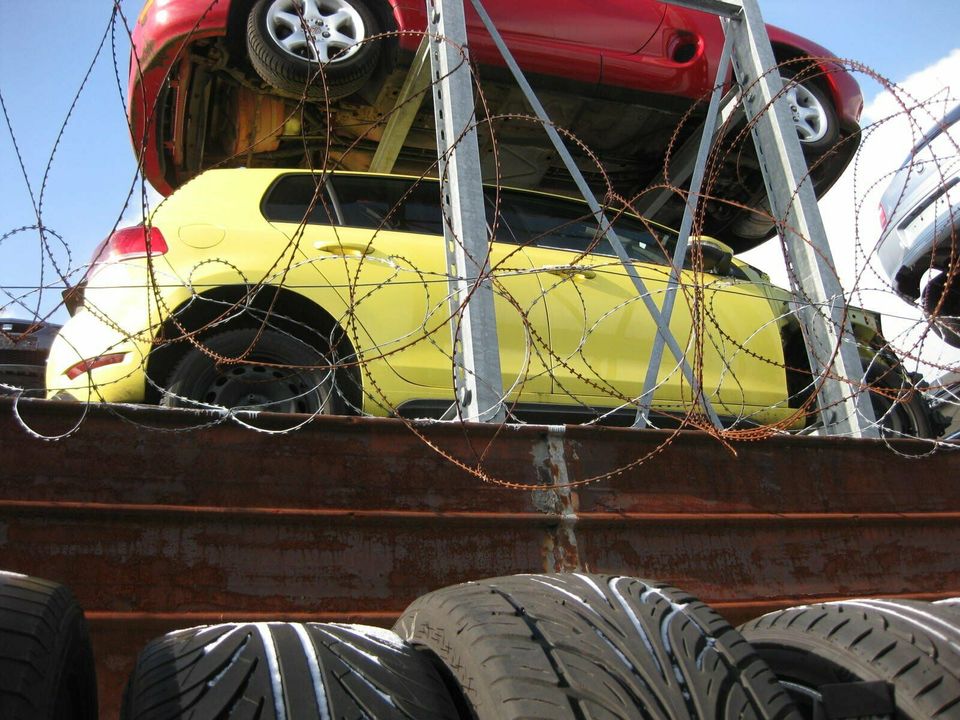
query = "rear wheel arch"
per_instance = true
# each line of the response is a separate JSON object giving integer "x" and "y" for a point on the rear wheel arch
{"x": 300, "y": 316}
{"x": 791, "y": 59}
{"x": 237, "y": 27}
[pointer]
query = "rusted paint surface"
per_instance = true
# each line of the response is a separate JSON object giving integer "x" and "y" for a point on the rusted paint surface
{"x": 559, "y": 501}
{"x": 351, "y": 519}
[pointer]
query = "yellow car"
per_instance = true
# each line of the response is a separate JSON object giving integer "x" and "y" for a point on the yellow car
{"x": 290, "y": 291}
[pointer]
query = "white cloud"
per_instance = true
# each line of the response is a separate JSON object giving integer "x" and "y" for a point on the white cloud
{"x": 893, "y": 121}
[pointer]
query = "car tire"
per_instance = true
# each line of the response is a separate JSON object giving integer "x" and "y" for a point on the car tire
{"x": 46, "y": 660}
{"x": 812, "y": 110}
{"x": 814, "y": 649}
{"x": 945, "y": 320}
{"x": 296, "y": 68}
{"x": 901, "y": 410}
{"x": 284, "y": 670}
{"x": 278, "y": 373}
{"x": 952, "y": 604}
{"x": 565, "y": 646}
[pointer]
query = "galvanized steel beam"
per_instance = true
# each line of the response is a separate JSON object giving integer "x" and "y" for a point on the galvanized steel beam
{"x": 820, "y": 301}
{"x": 476, "y": 364}
{"x": 404, "y": 111}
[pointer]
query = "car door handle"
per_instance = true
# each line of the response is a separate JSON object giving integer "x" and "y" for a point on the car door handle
{"x": 345, "y": 249}
{"x": 572, "y": 271}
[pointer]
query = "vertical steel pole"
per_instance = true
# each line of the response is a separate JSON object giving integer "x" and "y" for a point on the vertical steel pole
{"x": 820, "y": 300}
{"x": 645, "y": 400}
{"x": 479, "y": 384}
{"x": 831, "y": 347}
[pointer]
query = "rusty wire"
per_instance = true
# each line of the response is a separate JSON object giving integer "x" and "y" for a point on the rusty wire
{"x": 699, "y": 289}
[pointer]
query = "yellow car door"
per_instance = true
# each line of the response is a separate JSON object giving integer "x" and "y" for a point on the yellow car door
{"x": 373, "y": 257}
{"x": 602, "y": 333}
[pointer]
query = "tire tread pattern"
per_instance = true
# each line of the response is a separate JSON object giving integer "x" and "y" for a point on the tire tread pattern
{"x": 913, "y": 645}
{"x": 269, "y": 670}
{"x": 579, "y": 647}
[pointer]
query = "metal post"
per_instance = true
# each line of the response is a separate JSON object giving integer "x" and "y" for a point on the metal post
{"x": 664, "y": 334}
{"x": 479, "y": 385}
{"x": 831, "y": 347}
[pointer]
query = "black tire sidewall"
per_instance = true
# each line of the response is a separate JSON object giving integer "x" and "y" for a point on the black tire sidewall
{"x": 911, "y": 411}
{"x": 64, "y": 685}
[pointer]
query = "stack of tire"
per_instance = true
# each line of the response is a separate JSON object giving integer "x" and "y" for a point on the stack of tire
{"x": 553, "y": 646}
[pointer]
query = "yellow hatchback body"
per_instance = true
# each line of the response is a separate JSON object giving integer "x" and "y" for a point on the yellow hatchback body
{"x": 292, "y": 291}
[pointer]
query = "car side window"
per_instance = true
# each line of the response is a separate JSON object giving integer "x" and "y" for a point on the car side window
{"x": 298, "y": 199}
{"x": 389, "y": 203}
{"x": 542, "y": 221}
{"x": 357, "y": 201}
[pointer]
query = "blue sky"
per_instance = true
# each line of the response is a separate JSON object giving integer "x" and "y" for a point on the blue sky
{"x": 46, "y": 48}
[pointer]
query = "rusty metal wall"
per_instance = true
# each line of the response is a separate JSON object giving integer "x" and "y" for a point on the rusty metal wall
{"x": 350, "y": 519}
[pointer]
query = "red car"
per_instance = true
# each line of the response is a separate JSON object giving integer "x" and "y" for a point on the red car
{"x": 220, "y": 82}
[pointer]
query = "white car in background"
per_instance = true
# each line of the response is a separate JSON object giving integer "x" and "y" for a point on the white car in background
{"x": 920, "y": 220}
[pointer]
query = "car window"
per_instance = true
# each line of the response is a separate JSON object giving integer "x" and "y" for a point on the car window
{"x": 541, "y": 221}
{"x": 389, "y": 203}
{"x": 289, "y": 199}
{"x": 358, "y": 201}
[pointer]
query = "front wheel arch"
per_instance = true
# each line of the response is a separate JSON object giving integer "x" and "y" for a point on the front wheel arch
{"x": 907, "y": 413}
{"x": 300, "y": 316}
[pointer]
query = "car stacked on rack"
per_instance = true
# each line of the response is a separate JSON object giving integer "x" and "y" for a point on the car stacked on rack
{"x": 326, "y": 293}
{"x": 293, "y": 291}
{"x": 919, "y": 247}
{"x": 222, "y": 84}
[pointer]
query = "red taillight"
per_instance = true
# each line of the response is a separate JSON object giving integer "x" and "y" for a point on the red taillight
{"x": 883, "y": 218}
{"x": 126, "y": 244}
{"x": 89, "y": 364}
{"x": 135, "y": 241}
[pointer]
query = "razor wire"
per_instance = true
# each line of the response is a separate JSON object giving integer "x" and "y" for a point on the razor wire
{"x": 352, "y": 366}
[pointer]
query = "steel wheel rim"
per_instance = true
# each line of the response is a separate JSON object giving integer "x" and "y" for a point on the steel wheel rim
{"x": 252, "y": 386}
{"x": 809, "y": 116}
{"x": 319, "y": 31}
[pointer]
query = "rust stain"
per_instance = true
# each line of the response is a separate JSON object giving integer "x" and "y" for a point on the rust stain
{"x": 560, "y": 545}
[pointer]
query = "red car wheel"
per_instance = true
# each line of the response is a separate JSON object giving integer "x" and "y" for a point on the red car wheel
{"x": 320, "y": 49}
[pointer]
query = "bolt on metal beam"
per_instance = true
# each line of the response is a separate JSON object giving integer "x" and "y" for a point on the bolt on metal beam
{"x": 478, "y": 381}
